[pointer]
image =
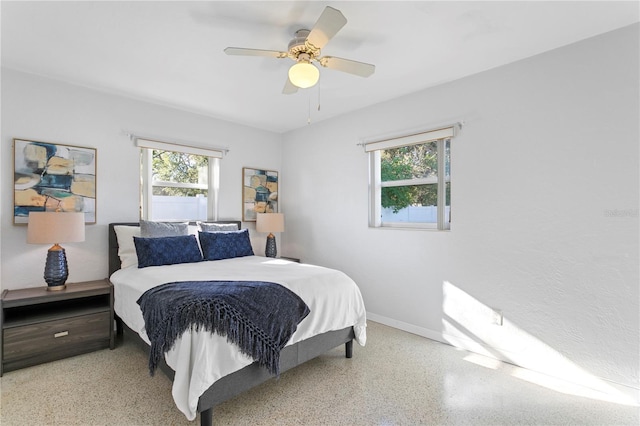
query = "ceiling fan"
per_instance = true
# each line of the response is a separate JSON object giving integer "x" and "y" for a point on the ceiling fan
{"x": 305, "y": 49}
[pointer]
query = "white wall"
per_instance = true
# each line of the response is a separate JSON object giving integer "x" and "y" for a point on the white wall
{"x": 544, "y": 206}
{"x": 40, "y": 109}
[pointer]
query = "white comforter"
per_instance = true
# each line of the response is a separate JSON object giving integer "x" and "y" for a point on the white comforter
{"x": 201, "y": 358}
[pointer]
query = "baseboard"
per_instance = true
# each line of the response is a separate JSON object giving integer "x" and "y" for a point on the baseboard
{"x": 609, "y": 391}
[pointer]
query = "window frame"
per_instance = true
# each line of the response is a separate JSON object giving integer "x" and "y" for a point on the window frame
{"x": 441, "y": 136}
{"x": 147, "y": 183}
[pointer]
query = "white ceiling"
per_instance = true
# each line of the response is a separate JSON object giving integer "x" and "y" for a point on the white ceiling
{"x": 171, "y": 53}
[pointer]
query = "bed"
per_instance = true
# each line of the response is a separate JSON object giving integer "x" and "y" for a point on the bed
{"x": 337, "y": 317}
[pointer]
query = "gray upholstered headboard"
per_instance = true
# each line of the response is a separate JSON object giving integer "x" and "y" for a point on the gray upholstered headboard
{"x": 114, "y": 259}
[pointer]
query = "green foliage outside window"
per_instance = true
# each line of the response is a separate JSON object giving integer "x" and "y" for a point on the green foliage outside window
{"x": 409, "y": 162}
{"x": 169, "y": 166}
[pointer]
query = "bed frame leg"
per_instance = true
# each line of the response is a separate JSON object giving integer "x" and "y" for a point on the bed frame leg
{"x": 119, "y": 328}
{"x": 206, "y": 417}
{"x": 348, "y": 349}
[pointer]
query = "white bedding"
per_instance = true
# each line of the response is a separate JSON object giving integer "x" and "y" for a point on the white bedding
{"x": 201, "y": 358}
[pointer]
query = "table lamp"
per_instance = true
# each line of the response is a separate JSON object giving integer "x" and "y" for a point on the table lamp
{"x": 270, "y": 222}
{"x": 55, "y": 228}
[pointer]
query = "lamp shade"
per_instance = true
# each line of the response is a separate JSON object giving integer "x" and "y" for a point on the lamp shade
{"x": 55, "y": 227}
{"x": 270, "y": 222}
{"x": 304, "y": 74}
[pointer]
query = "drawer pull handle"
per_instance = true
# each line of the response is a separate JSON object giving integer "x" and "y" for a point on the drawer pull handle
{"x": 61, "y": 334}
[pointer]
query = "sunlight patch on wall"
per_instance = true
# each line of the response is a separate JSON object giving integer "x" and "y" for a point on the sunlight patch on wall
{"x": 472, "y": 325}
{"x": 458, "y": 338}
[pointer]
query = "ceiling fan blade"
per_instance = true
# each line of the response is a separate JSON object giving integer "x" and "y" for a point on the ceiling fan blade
{"x": 328, "y": 25}
{"x": 254, "y": 52}
{"x": 346, "y": 65}
{"x": 289, "y": 88}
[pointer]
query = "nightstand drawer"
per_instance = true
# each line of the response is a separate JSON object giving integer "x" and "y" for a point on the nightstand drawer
{"x": 56, "y": 337}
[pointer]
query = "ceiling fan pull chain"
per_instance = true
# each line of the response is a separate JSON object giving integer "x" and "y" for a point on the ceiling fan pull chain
{"x": 309, "y": 109}
{"x": 319, "y": 96}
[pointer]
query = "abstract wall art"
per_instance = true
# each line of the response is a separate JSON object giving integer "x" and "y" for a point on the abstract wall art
{"x": 53, "y": 177}
{"x": 259, "y": 193}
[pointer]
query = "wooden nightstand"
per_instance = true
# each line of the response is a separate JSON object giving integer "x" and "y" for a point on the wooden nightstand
{"x": 40, "y": 326}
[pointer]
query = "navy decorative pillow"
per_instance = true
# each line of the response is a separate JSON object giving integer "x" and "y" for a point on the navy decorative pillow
{"x": 167, "y": 250}
{"x": 225, "y": 245}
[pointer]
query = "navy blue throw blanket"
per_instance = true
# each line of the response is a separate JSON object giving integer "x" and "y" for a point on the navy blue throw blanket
{"x": 259, "y": 317}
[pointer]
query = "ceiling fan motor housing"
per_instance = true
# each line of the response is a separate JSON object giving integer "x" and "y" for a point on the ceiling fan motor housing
{"x": 298, "y": 45}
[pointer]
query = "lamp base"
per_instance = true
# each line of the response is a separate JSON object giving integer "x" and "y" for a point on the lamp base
{"x": 56, "y": 270}
{"x": 270, "y": 250}
{"x": 56, "y": 287}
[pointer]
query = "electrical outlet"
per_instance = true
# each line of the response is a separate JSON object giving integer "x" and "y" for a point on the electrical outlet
{"x": 496, "y": 317}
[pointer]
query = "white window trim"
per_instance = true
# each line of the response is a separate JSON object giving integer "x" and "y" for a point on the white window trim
{"x": 146, "y": 184}
{"x": 443, "y": 222}
{"x": 168, "y": 184}
{"x": 440, "y": 135}
{"x": 405, "y": 182}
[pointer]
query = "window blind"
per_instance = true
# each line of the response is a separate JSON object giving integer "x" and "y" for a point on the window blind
{"x": 414, "y": 139}
{"x": 166, "y": 146}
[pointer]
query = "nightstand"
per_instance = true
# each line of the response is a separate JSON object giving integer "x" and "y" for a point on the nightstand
{"x": 40, "y": 326}
{"x": 292, "y": 259}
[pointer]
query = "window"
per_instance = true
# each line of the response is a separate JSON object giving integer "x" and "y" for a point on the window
{"x": 178, "y": 182}
{"x": 411, "y": 180}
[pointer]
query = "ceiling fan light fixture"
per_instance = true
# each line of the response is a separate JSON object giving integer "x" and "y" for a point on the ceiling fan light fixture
{"x": 304, "y": 74}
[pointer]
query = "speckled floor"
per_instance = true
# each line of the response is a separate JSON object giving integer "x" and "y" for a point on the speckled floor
{"x": 397, "y": 379}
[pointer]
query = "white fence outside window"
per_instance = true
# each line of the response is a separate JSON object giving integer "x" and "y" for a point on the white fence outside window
{"x": 195, "y": 208}
{"x": 413, "y": 214}
{"x": 179, "y": 208}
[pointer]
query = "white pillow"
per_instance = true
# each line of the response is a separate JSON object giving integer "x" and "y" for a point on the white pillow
{"x": 151, "y": 229}
{"x": 217, "y": 227}
{"x": 126, "y": 247}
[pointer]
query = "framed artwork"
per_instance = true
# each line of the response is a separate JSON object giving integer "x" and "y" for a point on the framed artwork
{"x": 259, "y": 193}
{"x": 53, "y": 177}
